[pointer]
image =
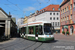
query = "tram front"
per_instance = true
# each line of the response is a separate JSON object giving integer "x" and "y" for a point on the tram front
{"x": 48, "y": 31}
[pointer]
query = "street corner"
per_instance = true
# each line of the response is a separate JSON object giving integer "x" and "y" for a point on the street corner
{"x": 7, "y": 41}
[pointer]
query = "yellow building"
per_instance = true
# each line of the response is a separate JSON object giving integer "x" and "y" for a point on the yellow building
{"x": 25, "y": 19}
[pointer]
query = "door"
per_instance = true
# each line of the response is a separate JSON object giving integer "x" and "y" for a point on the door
{"x": 36, "y": 32}
{"x": 71, "y": 30}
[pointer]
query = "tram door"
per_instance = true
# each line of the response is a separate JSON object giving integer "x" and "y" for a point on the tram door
{"x": 36, "y": 32}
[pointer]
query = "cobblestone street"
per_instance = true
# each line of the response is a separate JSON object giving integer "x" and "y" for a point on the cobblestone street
{"x": 61, "y": 42}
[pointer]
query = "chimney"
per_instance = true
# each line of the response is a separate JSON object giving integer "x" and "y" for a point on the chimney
{"x": 63, "y": 0}
{"x": 30, "y": 13}
{"x": 9, "y": 15}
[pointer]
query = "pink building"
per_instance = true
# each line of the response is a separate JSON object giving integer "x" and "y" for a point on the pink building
{"x": 67, "y": 16}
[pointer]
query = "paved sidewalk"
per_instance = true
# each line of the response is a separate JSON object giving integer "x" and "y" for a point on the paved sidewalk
{"x": 65, "y": 37}
{"x": 7, "y": 41}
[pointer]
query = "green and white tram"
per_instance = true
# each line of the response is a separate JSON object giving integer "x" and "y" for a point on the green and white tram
{"x": 39, "y": 30}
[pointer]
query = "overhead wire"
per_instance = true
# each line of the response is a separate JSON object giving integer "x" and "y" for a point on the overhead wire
{"x": 16, "y": 6}
{"x": 41, "y": 3}
{"x": 10, "y": 7}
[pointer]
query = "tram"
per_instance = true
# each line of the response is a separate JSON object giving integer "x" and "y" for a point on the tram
{"x": 39, "y": 30}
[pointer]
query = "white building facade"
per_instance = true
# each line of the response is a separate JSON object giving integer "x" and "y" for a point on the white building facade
{"x": 19, "y": 22}
{"x": 50, "y": 15}
{"x": 31, "y": 18}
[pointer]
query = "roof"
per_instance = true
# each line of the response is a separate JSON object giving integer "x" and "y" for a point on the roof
{"x": 14, "y": 20}
{"x": 3, "y": 11}
{"x": 1, "y": 26}
{"x": 50, "y": 8}
{"x": 65, "y": 1}
{"x": 34, "y": 23}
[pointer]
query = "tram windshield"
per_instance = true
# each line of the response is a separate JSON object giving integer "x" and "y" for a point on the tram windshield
{"x": 48, "y": 29}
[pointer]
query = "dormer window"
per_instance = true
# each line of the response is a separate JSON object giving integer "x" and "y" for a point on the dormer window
{"x": 58, "y": 8}
{"x": 53, "y": 8}
{"x": 43, "y": 10}
{"x": 39, "y": 12}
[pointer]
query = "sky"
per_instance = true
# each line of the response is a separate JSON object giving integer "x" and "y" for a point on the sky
{"x": 22, "y": 8}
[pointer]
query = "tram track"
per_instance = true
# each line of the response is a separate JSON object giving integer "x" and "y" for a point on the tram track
{"x": 38, "y": 46}
{"x": 21, "y": 42}
{"x": 11, "y": 44}
{"x": 30, "y": 46}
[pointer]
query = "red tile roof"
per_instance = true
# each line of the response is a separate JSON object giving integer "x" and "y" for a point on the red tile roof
{"x": 50, "y": 8}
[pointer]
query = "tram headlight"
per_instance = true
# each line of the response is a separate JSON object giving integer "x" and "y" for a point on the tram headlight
{"x": 24, "y": 36}
{"x": 49, "y": 36}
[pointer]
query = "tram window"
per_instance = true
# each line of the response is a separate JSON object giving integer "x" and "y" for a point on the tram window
{"x": 36, "y": 28}
{"x": 36, "y": 31}
{"x": 40, "y": 30}
{"x": 31, "y": 30}
{"x": 24, "y": 30}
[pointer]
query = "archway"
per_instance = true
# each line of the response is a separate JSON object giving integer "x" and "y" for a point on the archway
{"x": 71, "y": 30}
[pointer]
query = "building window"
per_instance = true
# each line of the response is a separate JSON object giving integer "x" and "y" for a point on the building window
{"x": 61, "y": 19}
{"x": 57, "y": 18}
{"x": 71, "y": 16}
{"x": 67, "y": 8}
{"x": 53, "y": 23}
{"x": 71, "y": 6}
{"x": 63, "y": 10}
{"x": 43, "y": 10}
{"x": 50, "y": 18}
{"x": 58, "y": 8}
{"x": 53, "y": 13}
{"x": 67, "y": 18}
{"x": 74, "y": 4}
{"x": 57, "y": 13}
{"x": 54, "y": 18}
{"x": 50, "y": 13}
{"x": 58, "y": 23}
{"x": 53, "y": 9}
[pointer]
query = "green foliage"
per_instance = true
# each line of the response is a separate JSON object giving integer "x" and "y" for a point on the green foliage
{"x": 63, "y": 32}
{"x": 67, "y": 32}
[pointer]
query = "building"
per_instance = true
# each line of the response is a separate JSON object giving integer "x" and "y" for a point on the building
{"x": 7, "y": 25}
{"x": 50, "y": 13}
{"x": 31, "y": 18}
{"x": 19, "y": 22}
{"x": 25, "y": 20}
{"x": 67, "y": 12}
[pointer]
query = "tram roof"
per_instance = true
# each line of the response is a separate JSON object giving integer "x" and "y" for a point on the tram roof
{"x": 35, "y": 22}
